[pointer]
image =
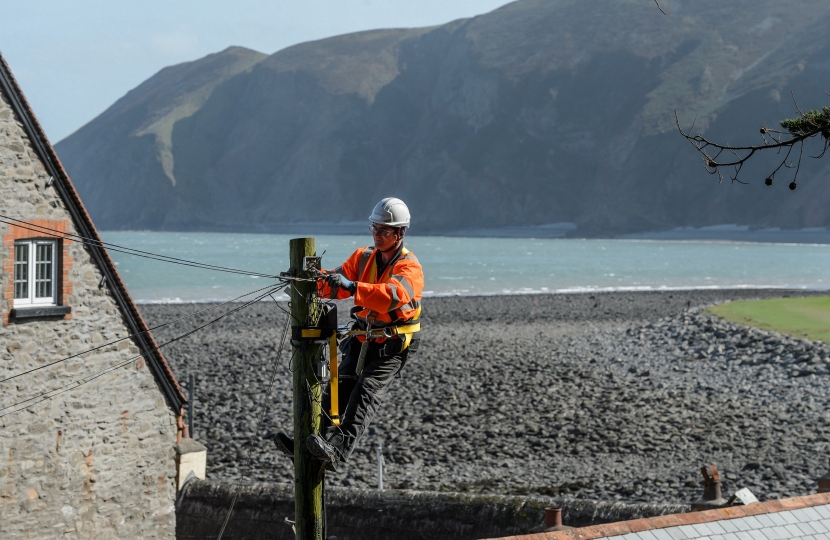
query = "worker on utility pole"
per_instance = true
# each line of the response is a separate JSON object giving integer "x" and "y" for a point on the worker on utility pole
{"x": 386, "y": 282}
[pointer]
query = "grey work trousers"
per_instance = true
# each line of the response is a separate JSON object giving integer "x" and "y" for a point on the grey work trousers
{"x": 360, "y": 396}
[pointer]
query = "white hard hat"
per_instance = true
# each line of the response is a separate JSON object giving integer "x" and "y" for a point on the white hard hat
{"x": 392, "y": 212}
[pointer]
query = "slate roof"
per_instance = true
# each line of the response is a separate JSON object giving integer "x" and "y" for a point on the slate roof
{"x": 84, "y": 226}
{"x": 806, "y": 518}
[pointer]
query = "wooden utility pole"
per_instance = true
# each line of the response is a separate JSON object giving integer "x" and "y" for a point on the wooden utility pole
{"x": 308, "y": 474}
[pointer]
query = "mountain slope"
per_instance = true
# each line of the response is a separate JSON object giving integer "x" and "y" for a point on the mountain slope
{"x": 124, "y": 157}
{"x": 541, "y": 111}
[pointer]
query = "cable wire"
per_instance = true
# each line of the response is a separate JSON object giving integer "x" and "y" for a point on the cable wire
{"x": 83, "y": 380}
{"x": 137, "y": 334}
{"x": 132, "y": 251}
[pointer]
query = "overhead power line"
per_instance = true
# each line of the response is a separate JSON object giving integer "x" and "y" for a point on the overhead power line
{"x": 130, "y": 251}
{"x": 134, "y": 335}
{"x": 89, "y": 378}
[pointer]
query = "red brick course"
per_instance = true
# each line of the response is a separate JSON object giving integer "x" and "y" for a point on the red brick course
{"x": 660, "y": 522}
{"x": 61, "y": 227}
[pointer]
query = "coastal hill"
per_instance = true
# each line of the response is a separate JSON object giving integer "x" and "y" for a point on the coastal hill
{"x": 543, "y": 111}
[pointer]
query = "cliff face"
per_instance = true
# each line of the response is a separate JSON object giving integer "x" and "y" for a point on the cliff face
{"x": 542, "y": 111}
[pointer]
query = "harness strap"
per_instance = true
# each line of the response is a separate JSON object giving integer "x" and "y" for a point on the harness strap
{"x": 405, "y": 331}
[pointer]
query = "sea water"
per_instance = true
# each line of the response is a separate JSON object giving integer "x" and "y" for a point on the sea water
{"x": 475, "y": 266}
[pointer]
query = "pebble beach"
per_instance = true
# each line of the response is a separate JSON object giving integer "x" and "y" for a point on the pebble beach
{"x": 604, "y": 396}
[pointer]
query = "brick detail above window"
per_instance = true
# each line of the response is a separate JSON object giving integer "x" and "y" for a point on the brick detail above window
{"x": 19, "y": 233}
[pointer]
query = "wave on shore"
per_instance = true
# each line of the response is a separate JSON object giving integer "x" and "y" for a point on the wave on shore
{"x": 543, "y": 290}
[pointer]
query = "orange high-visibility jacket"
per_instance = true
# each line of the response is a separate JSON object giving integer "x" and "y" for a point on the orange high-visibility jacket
{"x": 389, "y": 299}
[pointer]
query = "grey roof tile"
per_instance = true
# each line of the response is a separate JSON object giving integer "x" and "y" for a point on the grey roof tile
{"x": 794, "y": 531}
{"x": 811, "y": 514}
{"x": 774, "y": 533}
{"x": 662, "y": 534}
{"x": 647, "y": 535}
{"x": 822, "y": 536}
{"x": 823, "y": 511}
{"x": 743, "y": 535}
{"x": 691, "y": 532}
{"x": 750, "y": 522}
{"x": 788, "y": 517}
{"x": 722, "y": 537}
{"x": 767, "y": 521}
{"x": 818, "y": 526}
{"x": 716, "y": 527}
{"x": 790, "y": 530}
{"x": 729, "y": 525}
{"x": 629, "y": 536}
{"x": 676, "y": 533}
{"x": 799, "y": 515}
{"x": 756, "y": 534}
{"x": 702, "y": 529}
{"x": 824, "y": 522}
{"x": 785, "y": 532}
{"x": 806, "y": 528}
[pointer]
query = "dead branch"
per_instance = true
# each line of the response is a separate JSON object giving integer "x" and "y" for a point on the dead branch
{"x": 795, "y": 131}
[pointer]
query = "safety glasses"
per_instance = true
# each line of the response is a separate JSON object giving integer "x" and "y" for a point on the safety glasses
{"x": 378, "y": 231}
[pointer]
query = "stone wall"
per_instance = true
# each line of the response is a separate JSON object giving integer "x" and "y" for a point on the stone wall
{"x": 369, "y": 514}
{"x": 96, "y": 461}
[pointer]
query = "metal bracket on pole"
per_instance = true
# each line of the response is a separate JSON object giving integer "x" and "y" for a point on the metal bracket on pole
{"x": 311, "y": 264}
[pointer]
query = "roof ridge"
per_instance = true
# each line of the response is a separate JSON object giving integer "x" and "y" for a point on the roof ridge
{"x": 619, "y": 528}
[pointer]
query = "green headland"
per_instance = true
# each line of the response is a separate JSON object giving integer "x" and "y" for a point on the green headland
{"x": 800, "y": 317}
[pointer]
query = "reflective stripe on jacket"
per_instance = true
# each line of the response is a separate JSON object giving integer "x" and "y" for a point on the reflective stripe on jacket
{"x": 391, "y": 298}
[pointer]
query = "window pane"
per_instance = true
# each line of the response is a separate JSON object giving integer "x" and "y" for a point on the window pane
{"x": 21, "y": 271}
{"x": 43, "y": 271}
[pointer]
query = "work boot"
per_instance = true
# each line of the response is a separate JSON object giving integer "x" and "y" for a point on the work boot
{"x": 283, "y": 442}
{"x": 322, "y": 450}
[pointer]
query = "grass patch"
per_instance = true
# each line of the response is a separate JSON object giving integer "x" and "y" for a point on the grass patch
{"x": 800, "y": 317}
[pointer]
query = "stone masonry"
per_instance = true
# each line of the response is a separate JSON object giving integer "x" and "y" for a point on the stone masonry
{"x": 96, "y": 461}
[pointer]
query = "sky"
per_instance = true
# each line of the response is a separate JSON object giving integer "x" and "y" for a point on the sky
{"x": 75, "y": 59}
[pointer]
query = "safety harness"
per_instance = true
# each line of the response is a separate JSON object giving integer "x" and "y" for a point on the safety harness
{"x": 328, "y": 331}
{"x": 332, "y": 332}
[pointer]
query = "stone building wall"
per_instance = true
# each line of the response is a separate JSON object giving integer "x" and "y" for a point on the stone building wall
{"x": 97, "y": 461}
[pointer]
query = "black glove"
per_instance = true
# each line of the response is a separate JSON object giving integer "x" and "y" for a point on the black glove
{"x": 339, "y": 280}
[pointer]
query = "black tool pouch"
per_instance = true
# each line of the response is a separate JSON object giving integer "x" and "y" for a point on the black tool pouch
{"x": 325, "y": 327}
{"x": 328, "y": 319}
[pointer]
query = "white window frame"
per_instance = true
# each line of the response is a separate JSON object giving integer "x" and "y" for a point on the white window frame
{"x": 31, "y": 300}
